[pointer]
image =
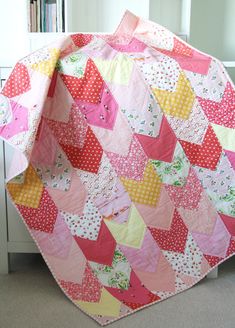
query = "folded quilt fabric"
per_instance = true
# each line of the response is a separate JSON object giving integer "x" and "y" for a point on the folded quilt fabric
{"x": 124, "y": 164}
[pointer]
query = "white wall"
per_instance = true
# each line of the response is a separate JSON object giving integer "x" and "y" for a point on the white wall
{"x": 166, "y": 13}
{"x": 102, "y": 15}
{"x": 13, "y": 31}
{"x": 213, "y": 28}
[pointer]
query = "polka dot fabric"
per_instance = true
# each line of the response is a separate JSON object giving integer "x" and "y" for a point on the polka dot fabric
{"x": 173, "y": 240}
{"x": 81, "y": 40}
{"x": 223, "y": 112}
{"x": 146, "y": 191}
{"x": 182, "y": 49}
{"x": 18, "y": 83}
{"x": 179, "y": 103}
{"x": 42, "y": 218}
{"x": 205, "y": 155}
{"x": 89, "y": 290}
{"x": 29, "y": 192}
{"x": 87, "y": 158}
{"x": 87, "y": 88}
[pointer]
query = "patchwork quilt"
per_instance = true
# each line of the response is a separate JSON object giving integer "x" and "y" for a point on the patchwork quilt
{"x": 124, "y": 164}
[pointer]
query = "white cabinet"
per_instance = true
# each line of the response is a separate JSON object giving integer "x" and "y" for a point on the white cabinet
{"x": 14, "y": 237}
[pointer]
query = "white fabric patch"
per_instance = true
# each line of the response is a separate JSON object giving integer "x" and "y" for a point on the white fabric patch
{"x": 188, "y": 263}
{"x": 210, "y": 86}
{"x": 192, "y": 130}
{"x": 86, "y": 226}
{"x": 5, "y": 110}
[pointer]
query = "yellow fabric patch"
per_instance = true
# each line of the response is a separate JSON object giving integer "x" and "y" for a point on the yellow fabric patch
{"x": 117, "y": 70}
{"x": 107, "y": 306}
{"x": 130, "y": 233}
{"x": 146, "y": 191}
{"x": 47, "y": 67}
{"x": 29, "y": 192}
{"x": 226, "y": 136}
{"x": 178, "y": 103}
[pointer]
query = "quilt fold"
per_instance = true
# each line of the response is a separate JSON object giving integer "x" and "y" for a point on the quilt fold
{"x": 124, "y": 162}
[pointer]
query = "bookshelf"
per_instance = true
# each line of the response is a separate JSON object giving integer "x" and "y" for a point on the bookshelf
{"x": 46, "y": 15}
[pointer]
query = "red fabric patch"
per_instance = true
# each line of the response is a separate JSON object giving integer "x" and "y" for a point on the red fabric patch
{"x": 196, "y": 62}
{"x": 231, "y": 248}
{"x": 174, "y": 239}
{"x": 88, "y": 157}
{"x": 134, "y": 306}
{"x": 189, "y": 195}
{"x": 80, "y": 40}
{"x": 52, "y": 84}
{"x": 88, "y": 291}
{"x": 18, "y": 82}
{"x": 205, "y": 155}
{"x": 157, "y": 148}
{"x": 87, "y": 88}
{"x": 42, "y": 218}
{"x": 182, "y": 49}
{"x": 212, "y": 260}
{"x": 229, "y": 223}
{"x": 221, "y": 113}
{"x": 100, "y": 250}
{"x": 136, "y": 295}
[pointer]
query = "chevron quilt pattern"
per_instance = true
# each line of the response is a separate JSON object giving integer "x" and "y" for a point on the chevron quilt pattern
{"x": 124, "y": 168}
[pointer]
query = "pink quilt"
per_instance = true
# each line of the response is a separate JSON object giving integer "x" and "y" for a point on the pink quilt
{"x": 124, "y": 164}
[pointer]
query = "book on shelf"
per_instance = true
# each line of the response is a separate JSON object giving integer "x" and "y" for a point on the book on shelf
{"x": 46, "y": 15}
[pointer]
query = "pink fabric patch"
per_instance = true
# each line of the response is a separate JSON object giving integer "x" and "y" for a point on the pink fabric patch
{"x": 215, "y": 244}
{"x": 88, "y": 291}
{"x": 19, "y": 122}
{"x": 58, "y": 242}
{"x": 45, "y": 146}
{"x": 197, "y": 62}
{"x": 117, "y": 207}
{"x": 73, "y": 132}
{"x": 157, "y": 148}
{"x": 70, "y": 268}
{"x": 162, "y": 279}
{"x": 201, "y": 219}
{"x": 102, "y": 114}
{"x": 160, "y": 216}
{"x": 229, "y": 223}
{"x": 189, "y": 195}
{"x": 144, "y": 258}
{"x": 134, "y": 45}
{"x": 223, "y": 112}
{"x": 58, "y": 104}
{"x": 131, "y": 166}
{"x": 117, "y": 140}
{"x": 70, "y": 201}
{"x": 231, "y": 157}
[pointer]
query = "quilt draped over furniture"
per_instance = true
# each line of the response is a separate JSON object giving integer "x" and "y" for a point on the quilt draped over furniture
{"x": 124, "y": 164}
